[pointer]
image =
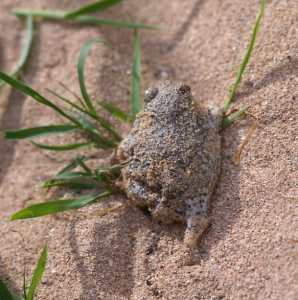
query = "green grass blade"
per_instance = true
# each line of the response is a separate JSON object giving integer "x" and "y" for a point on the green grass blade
{"x": 51, "y": 14}
{"x": 91, "y": 8}
{"x": 25, "y": 51}
{"x": 70, "y": 166}
{"x": 72, "y": 175}
{"x": 66, "y": 147}
{"x": 80, "y": 19}
{"x": 228, "y": 120}
{"x": 136, "y": 103}
{"x": 115, "y": 111}
{"x": 247, "y": 56}
{"x": 24, "y": 283}
{"x": 82, "y": 164}
{"x": 93, "y": 130}
{"x": 85, "y": 122}
{"x": 16, "y": 297}
{"x": 81, "y": 67}
{"x": 74, "y": 184}
{"x": 99, "y": 21}
{"x": 5, "y": 292}
{"x": 56, "y": 206}
{"x": 37, "y": 273}
{"x": 35, "y": 132}
{"x": 70, "y": 103}
{"x": 32, "y": 93}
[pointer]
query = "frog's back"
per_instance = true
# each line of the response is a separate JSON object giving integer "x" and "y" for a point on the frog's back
{"x": 172, "y": 142}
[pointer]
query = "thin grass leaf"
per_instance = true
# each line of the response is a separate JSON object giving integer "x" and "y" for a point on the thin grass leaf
{"x": 66, "y": 168}
{"x": 70, "y": 166}
{"x": 56, "y": 206}
{"x": 37, "y": 273}
{"x": 24, "y": 283}
{"x": 66, "y": 147}
{"x": 115, "y": 111}
{"x": 36, "y": 96}
{"x": 72, "y": 175}
{"x": 70, "y": 103}
{"x": 35, "y": 132}
{"x": 81, "y": 67}
{"x": 82, "y": 164}
{"x": 228, "y": 120}
{"x": 247, "y": 56}
{"x": 92, "y": 130}
{"x": 5, "y": 292}
{"x": 74, "y": 184}
{"x": 76, "y": 96}
{"x": 99, "y": 21}
{"x": 17, "y": 297}
{"x": 91, "y": 8}
{"x": 25, "y": 51}
{"x": 136, "y": 103}
{"x": 85, "y": 122}
{"x": 51, "y": 14}
{"x": 78, "y": 190}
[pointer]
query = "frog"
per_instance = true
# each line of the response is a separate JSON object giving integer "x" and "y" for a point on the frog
{"x": 171, "y": 161}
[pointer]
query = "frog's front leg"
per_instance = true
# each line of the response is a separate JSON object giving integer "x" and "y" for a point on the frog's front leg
{"x": 197, "y": 222}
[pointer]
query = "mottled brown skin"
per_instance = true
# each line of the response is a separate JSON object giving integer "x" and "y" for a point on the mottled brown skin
{"x": 175, "y": 150}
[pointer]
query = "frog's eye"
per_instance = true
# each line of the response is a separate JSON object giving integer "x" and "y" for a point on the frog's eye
{"x": 150, "y": 94}
{"x": 184, "y": 89}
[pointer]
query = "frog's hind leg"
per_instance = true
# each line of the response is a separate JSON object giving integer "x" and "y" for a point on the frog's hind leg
{"x": 197, "y": 222}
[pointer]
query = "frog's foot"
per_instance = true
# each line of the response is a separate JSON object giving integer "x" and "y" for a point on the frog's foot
{"x": 195, "y": 228}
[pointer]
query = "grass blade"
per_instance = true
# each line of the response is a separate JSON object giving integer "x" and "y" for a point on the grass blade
{"x": 24, "y": 283}
{"x": 99, "y": 21}
{"x": 82, "y": 164}
{"x": 25, "y": 51}
{"x": 70, "y": 103}
{"x": 35, "y": 132}
{"x": 37, "y": 273}
{"x": 91, "y": 8}
{"x": 228, "y": 120}
{"x": 81, "y": 67}
{"x": 72, "y": 175}
{"x": 72, "y": 165}
{"x": 93, "y": 130}
{"x": 66, "y": 147}
{"x": 56, "y": 206}
{"x": 16, "y": 297}
{"x": 51, "y": 14}
{"x": 247, "y": 56}
{"x": 5, "y": 292}
{"x": 74, "y": 184}
{"x": 115, "y": 111}
{"x": 85, "y": 122}
{"x": 136, "y": 103}
{"x": 32, "y": 93}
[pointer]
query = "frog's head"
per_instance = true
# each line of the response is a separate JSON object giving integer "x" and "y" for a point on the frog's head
{"x": 169, "y": 99}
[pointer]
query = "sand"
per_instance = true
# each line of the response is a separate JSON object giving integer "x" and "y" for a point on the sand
{"x": 250, "y": 250}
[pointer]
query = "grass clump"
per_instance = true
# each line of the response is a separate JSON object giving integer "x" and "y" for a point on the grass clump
{"x": 79, "y": 16}
{"x": 227, "y": 121}
{"x": 6, "y": 294}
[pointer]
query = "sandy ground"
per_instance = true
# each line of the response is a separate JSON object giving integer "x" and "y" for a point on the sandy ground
{"x": 250, "y": 249}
